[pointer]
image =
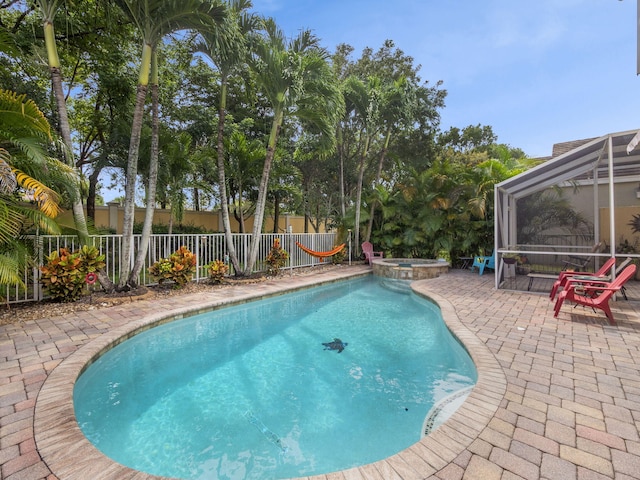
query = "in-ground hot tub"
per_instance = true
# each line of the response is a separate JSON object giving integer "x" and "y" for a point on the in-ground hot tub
{"x": 409, "y": 268}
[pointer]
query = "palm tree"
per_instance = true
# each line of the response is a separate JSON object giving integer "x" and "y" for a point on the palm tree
{"x": 177, "y": 167}
{"x": 48, "y": 9}
{"x": 397, "y": 111}
{"x": 295, "y": 78}
{"x": 25, "y": 172}
{"x": 153, "y": 173}
{"x": 363, "y": 102}
{"x": 243, "y": 165}
{"x": 227, "y": 48}
{"x": 154, "y": 19}
{"x": 284, "y": 185}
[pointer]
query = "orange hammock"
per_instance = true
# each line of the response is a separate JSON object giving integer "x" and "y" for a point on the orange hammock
{"x": 313, "y": 253}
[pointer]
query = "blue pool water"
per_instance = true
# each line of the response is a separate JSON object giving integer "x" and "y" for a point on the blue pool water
{"x": 249, "y": 392}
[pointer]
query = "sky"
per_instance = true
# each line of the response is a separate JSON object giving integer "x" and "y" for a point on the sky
{"x": 538, "y": 72}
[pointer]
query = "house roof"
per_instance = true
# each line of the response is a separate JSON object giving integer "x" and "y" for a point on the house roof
{"x": 577, "y": 160}
{"x": 564, "y": 147}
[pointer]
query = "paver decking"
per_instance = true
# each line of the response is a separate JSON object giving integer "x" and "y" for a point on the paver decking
{"x": 556, "y": 398}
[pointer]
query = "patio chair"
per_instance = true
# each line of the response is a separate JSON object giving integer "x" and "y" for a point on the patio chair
{"x": 580, "y": 279}
{"x": 564, "y": 276}
{"x": 577, "y": 262}
{"x": 484, "y": 262}
{"x": 369, "y": 254}
{"x": 596, "y": 294}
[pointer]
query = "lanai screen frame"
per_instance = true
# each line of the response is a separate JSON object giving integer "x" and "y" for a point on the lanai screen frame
{"x": 605, "y": 154}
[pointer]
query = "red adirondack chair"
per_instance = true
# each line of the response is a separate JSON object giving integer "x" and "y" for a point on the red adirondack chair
{"x": 566, "y": 275}
{"x": 595, "y": 294}
{"x": 369, "y": 254}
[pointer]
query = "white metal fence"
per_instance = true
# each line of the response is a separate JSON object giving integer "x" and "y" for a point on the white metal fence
{"x": 206, "y": 247}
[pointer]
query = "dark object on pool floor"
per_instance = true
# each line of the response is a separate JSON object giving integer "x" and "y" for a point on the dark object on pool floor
{"x": 337, "y": 344}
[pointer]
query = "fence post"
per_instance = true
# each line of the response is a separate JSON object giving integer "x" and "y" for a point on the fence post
{"x": 197, "y": 249}
{"x": 37, "y": 288}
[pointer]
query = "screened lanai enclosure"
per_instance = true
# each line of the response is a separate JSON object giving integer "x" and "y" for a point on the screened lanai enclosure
{"x": 573, "y": 211}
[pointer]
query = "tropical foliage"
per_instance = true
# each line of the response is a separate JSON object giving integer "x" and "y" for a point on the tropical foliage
{"x": 277, "y": 258}
{"x": 228, "y": 48}
{"x": 65, "y": 273}
{"x": 217, "y": 270}
{"x": 178, "y": 268}
{"x": 27, "y": 175}
{"x": 295, "y": 79}
{"x": 227, "y": 111}
{"x": 154, "y": 20}
{"x": 48, "y": 10}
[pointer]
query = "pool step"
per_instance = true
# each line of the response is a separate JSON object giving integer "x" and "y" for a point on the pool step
{"x": 443, "y": 409}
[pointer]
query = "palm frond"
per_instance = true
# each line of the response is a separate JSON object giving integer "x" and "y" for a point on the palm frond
{"x": 14, "y": 258}
{"x": 11, "y": 221}
{"x": 22, "y": 114}
{"x": 8, "y": 44}
{"x": 34, "y": 217}
{"x": 45, "y": 198}
{"x": 8, "y": 182}
{"x": 26, "y": 149}
{"x": 9, "y": 269}
{"x": 157, "y": 18}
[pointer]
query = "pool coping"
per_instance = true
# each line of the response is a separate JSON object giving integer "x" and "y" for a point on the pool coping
{"x": 68, "y": 453}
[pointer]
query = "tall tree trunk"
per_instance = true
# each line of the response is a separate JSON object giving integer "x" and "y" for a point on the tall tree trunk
{"x": 326, "y": 215}
{"x": 65, "y": 128}
{"x": 363, "y": 159}
{"x": 126, "y": 257}
{"x": 237, "y": 214}
{"x": 276, "y": 213}
{"x": 196, "y": 199}
{"x": 222, "y": 181}
{"x": 383, "y": 154}
{"x": 243, "y": 225}
{"x": 153, "y": 176}
{"x": 91, "y": 195}
{"x": 240, "y": 214}
{"x": 306, "y": 208}
{"x": 343, "y": 208}
{"x": 258, "y": 216}
{"x": 316, "y": 225}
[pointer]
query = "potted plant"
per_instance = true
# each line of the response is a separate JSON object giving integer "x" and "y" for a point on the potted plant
{"x": 626, "y": 247}
{"x": 443, "y": 256}
{"x": 520, "y": 260}
{"x": 510, "y": 258}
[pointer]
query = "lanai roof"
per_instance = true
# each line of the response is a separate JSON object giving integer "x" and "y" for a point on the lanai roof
{"x": 576, "y": 163}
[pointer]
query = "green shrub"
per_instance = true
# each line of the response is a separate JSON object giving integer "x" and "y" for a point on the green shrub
{"x": 339, "y": 257}
{"x": 217, "y": 270}
{"x": 443, "y": 255}
{"x": 64, "y": 274}
{"x": 178, "y": 268}
{"x": 91, "y": 259}
{"x": 277, "y": 258}
{"x": 178, "y": 229}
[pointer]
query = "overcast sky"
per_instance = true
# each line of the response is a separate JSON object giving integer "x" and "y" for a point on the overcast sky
{"x": 539, "y": 71}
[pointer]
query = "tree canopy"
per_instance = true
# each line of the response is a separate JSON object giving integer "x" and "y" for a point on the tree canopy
{"x": 251, "y": 121}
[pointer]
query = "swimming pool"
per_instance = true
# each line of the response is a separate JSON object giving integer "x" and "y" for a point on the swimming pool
{"x": 254, "y": 393}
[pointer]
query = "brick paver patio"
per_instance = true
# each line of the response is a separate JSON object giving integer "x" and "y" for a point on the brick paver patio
{"x": 556, "y": 398}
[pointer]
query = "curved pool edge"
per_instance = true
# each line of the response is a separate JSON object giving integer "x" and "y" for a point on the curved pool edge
{"x": 68, "y": 453}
